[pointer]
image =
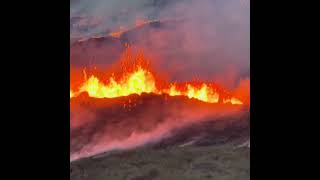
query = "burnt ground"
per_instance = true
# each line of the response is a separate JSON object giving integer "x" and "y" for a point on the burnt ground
{"x": 175, "y": 163}
{"x": 207, "y": 149}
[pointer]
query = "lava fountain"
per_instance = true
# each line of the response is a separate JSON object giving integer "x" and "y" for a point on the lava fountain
{"x": 138, "y": 79}
{"x": 134, "y": 106}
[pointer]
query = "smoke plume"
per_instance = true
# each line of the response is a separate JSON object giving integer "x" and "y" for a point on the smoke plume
{"x": 205, "y": 39}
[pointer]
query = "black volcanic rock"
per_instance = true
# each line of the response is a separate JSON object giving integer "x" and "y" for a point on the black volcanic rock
{"x": 105, "y": 121}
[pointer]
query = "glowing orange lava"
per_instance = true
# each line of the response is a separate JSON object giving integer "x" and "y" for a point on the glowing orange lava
{"x": 138, "y": 23}
{"x": 140, "y": 80}
{"x": 71, "y": 94}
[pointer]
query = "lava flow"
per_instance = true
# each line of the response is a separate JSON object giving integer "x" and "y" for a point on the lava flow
{"x": 139, "y": 23}
{"x": 139, "y": 79}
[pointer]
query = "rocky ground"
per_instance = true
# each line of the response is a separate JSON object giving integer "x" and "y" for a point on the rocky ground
{"x": 211, "y": 149}
{"x": 220, "y": 162}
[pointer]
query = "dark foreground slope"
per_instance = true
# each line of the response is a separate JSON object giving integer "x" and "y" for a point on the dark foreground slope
{"x": 203, "y": 147}
{"x": 219, "y": 162}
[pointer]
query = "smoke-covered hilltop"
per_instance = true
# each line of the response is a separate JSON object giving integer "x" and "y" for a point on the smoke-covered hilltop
{"x": 210, "y": 39}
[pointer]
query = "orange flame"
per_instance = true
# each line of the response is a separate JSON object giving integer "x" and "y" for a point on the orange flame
{"x": 141, "y": 80}
{"x": 71, "y": 94}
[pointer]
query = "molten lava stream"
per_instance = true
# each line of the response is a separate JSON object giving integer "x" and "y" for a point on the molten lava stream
{"x": 142, "y": 81}
{"x": 137, "y": 78}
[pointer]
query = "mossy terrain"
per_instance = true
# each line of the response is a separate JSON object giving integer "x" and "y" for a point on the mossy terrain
{"x": 220, "y": 162}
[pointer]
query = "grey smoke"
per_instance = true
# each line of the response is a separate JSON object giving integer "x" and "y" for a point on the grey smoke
{"x": 212, "y": 42}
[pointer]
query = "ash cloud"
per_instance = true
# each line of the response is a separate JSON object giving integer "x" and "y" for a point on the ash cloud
{"x": 210, "y": 40}
{"x": 91, "y": 17}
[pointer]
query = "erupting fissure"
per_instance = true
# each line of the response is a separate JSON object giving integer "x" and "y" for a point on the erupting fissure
{"x": 141, "y": 80}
